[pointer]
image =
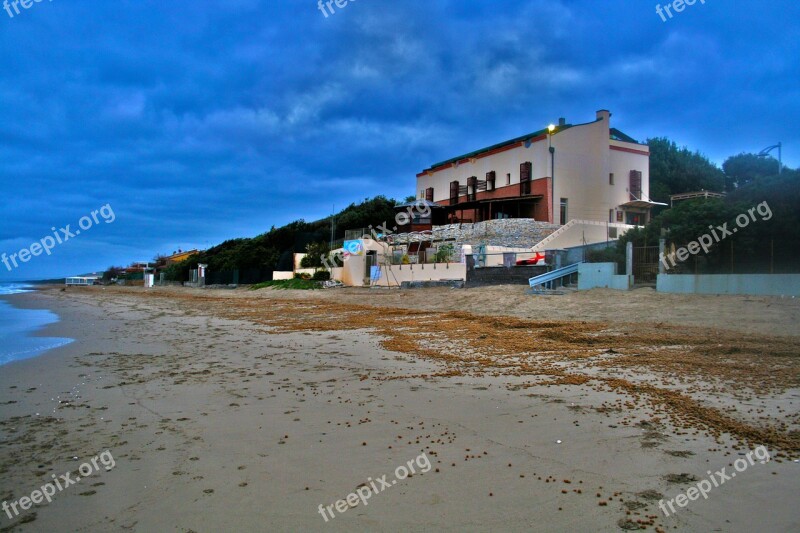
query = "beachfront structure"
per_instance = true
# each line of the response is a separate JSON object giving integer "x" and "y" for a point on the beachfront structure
{"x": 180, "y": 255}
{"x": 81, "y": 280}
{"x": 565, "y": 172}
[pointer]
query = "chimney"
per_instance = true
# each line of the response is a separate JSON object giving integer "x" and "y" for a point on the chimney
{"x": 604, "y": 114}
{"x": 562, "y": 122}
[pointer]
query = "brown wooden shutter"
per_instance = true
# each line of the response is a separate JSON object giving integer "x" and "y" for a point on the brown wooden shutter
{"x": 635, "y": 187}
{"x": 525, "y": 171}
{"x": 429, "y": 194}
{"x": 472, "y": 188}
{"x": 453, "y": 192}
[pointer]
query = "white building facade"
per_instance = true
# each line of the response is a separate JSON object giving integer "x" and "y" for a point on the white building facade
{"x": 586, "y": 171}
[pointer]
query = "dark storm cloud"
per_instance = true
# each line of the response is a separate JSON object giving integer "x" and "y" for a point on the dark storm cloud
{"x": 200, "y": 121}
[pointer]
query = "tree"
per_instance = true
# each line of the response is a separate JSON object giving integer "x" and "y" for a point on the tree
{"x": 112, "y": 272}
{"x": 676, "y": 170}
{"x": 743, "y": 169}
{"x": 315, "y": 252}
{"x": 160, "y": 260}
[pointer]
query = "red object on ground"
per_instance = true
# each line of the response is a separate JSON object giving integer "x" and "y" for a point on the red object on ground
{"x": 532, "y": 261}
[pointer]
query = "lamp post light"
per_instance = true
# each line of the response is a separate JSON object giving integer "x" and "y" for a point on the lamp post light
{"x": 550, "y": 130}
{"x": 765, "y": 152}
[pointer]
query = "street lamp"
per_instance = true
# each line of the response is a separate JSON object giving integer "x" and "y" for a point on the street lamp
{"x": 550, "y": 129}
{"x": 765, "y": 152}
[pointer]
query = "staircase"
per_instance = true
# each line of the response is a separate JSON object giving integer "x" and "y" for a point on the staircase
{"x": 578, "y": 232}
{"x": 544, "y": 282}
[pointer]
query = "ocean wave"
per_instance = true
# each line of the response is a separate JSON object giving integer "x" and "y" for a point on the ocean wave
{"x": 33, "y": 350}
{"x": 15, "y": 288}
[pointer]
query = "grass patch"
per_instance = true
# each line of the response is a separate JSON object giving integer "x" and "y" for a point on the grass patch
{"x": 284, "y": 284}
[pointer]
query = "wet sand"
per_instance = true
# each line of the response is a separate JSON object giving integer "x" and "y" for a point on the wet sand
{"x": 239, "y": 410}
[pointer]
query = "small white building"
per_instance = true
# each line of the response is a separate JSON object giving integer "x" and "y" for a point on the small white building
{"x": 81, "y": 280}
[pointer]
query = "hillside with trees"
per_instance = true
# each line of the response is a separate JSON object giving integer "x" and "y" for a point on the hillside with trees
{"x": 257, "y": 256}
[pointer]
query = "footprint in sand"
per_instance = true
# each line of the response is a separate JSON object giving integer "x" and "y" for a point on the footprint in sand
{"x": 680, "y": 478}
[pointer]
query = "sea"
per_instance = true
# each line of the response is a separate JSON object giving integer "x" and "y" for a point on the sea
{"x": 18, "y": 325}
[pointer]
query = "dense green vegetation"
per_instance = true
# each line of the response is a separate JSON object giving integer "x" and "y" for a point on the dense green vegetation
{"x": 675, "y": 170}
{"x": 771, "y": 242}
{"x": 284, "y": 284}
{"x": 274, "y": 249}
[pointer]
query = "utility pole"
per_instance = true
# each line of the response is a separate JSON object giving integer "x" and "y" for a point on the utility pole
{"x": 550, "y": 129}
{"x": 333, "y": 225}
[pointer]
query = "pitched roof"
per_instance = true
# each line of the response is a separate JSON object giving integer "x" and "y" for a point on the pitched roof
{"x": 503, "y": 144}
{"x": 614, "y": 134}
{"x": 619, "y": 136}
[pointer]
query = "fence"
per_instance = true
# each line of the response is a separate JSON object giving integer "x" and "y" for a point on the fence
{"x": 645, "y": 264}
{"x": 428, "y": 256}
{"x": 356, "y": 234}
{"x": 244, "y": 276}
{"x": 739, "y": 255}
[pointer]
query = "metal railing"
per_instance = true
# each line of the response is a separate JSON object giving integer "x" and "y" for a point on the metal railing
{"x": 540, "y": 283}
{"x": 355, "y": 234}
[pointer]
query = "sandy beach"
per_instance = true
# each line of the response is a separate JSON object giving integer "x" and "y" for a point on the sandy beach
{"x": 251, "y": 410}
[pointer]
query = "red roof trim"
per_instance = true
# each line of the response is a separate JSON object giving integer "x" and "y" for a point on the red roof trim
{"x": 629, "y": 150}
{"x": 485, "y": 154}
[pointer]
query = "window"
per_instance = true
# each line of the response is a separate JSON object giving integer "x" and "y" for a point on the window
{"x": 418, "y": 219}
{"x": 635, "y": 188}
{"x": 508, "y": 178}
{"x": 611, "y": 179}
{"x": 453, "y": 192}
{"x": 611, "y": 214}
{"x": 421, "y": 194}
{"x": 619, "y": 216}
{"x": 490, "y": 180}
{"x": 429, "y": 194}
{"x": 634, "y": 219}
{"x": 525, "y": 171}
{"x": 563, "y": 211}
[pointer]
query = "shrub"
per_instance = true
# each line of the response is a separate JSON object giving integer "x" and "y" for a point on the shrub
{"x": 445, "y": 253}
{"x": 321, "y": 275}
{"x": 287, "y": 284}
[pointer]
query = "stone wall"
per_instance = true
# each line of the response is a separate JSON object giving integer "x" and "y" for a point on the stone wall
{"x": 509, "y": 232}
{"x": 517, "y": 275}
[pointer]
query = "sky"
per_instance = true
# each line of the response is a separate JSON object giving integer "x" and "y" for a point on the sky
{"x": 196, "y": 122}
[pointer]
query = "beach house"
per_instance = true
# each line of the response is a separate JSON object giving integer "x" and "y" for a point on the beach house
{"x": 588, "y": 171}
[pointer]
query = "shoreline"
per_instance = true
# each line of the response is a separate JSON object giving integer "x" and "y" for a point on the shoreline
{"x": 225, "y": 409}
{"x": 27, "y": 301}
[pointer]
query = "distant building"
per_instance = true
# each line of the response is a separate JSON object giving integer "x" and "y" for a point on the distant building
{"x": 82, "y": 280}
{"x": 180, "y": 255}
{"x": 585, "y": 171}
